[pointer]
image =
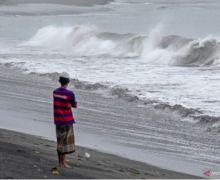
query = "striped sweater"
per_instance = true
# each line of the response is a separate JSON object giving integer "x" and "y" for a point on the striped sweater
{"x": 64, "y": 100}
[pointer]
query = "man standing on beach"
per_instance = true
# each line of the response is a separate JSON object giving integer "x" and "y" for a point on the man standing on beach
{"x": 64, "y": 100}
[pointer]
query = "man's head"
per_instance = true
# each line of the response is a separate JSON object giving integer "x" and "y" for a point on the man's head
{"x": 64, "y": 79}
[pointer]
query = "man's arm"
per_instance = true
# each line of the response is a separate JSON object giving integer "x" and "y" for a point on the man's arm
{"x": 73, "y": 101}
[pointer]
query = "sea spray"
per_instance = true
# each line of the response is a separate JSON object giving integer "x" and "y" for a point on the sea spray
{"x": 82, "y": 40}
{"x": 152, "y": 52}
{"x": 155, "y": 48}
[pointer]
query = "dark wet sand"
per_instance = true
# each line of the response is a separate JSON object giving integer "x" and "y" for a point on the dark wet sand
{"x": 27, "y": 156}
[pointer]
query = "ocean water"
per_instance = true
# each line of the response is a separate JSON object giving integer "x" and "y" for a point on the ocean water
{"x": 164, "y": 53}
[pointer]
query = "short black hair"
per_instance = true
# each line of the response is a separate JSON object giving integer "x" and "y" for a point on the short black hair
{"x": 64, "y": 81}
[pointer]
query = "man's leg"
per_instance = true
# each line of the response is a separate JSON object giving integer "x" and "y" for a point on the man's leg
{"x": 62, "y": 161}
{"x": 65, "y": 162}
{"x": 61, "y": 158}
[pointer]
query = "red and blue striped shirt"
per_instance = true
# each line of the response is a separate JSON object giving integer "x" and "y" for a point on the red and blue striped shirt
{"x": 64, "y": 100}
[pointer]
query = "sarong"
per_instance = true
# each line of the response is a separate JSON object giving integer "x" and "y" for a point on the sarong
{"x": 65, "y": 139}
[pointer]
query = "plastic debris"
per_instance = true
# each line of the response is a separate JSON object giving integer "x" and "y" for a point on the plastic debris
{"x": 87, "y": 155}
{"x": 55, "y": 171}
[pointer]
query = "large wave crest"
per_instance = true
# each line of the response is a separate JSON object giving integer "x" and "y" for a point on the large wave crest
{"x": 154, "y": 48}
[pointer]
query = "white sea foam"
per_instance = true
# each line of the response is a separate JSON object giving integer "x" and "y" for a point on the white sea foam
{"x": 154, "y": 48}
{"x": 83, "y": 40}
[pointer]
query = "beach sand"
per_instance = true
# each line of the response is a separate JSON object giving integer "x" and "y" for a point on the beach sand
{"x": 25, "y": 101}
{"x": 27, "y": 156}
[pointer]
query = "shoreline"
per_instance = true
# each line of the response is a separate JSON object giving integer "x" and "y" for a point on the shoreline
{"x": 38, "y": 156}
{"x": 27, "y": 98}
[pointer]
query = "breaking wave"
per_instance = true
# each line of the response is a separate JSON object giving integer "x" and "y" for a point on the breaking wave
{"x": 87, "y": 41}
{"x": 154, "y": 48}
{"x": 211, "y": 123}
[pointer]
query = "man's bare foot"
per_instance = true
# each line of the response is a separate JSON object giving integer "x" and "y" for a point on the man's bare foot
{"x": 67, "y": 160}
{"x": 65, "y": 165}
